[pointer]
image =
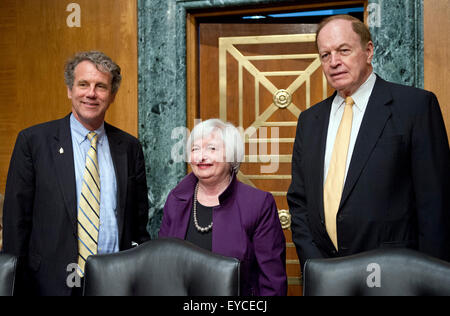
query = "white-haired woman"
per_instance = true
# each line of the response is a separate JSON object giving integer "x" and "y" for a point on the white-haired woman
{"x": 212, "y": 209}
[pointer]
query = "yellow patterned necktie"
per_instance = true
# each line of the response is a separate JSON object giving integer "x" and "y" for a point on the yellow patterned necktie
{"x": 336, "y": 172}
{"x": 89, "y": 206}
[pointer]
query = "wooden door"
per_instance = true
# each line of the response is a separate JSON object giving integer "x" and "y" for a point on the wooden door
{"x": 437, "y": 52}
{"x": 261, "y": 77}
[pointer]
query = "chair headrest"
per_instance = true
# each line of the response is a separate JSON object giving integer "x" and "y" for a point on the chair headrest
{"x": 166, "y": 266}
{"x": 8, "y": 266}
{"x": 384, "y": 271}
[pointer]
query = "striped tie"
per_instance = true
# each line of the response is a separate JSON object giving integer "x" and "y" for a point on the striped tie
{"x": 89, "y": 206}
{"x": 336, "y": 172}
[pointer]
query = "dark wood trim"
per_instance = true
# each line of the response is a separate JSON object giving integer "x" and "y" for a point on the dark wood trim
{"x": 192, "y": 93}
{"x": 274, "y": 8}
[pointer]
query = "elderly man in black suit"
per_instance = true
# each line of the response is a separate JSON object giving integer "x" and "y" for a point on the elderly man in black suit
{"x": 371, "y": 163}
{"x": 76, "y": 186}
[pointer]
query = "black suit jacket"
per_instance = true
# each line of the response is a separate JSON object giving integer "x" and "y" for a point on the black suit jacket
{"x": 40, "y": 211}
{"x": 397, "y": 188}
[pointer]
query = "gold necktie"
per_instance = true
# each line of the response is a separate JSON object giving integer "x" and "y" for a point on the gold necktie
{"x": 336, "y": 172}
{"x": 89, "y": 206}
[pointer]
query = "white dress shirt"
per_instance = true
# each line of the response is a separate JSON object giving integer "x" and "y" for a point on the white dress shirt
{"x": 361, "y": 98}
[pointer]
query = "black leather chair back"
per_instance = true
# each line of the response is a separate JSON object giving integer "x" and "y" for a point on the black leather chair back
{"x": 8, "y": 265}
{"x": 381, "y": 272}
{"x": 166, "y": 266}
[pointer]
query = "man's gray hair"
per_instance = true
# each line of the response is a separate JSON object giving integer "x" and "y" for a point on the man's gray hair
{"x": 100, "y": 60}
{"x": 231, "y": 137}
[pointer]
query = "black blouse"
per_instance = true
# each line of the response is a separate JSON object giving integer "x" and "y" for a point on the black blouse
{"x": 204, "y": 218}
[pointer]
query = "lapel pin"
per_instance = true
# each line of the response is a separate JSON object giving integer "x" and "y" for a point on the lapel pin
{"x": 61, "y": 151}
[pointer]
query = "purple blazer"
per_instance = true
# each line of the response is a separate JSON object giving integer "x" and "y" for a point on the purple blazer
{"x": 246, "y": 227}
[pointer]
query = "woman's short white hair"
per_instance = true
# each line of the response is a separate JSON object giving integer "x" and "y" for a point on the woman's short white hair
{"x": 231, "y": 137}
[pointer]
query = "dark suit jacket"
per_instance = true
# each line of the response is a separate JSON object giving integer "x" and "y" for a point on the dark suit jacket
{"x": 397, "y": 188}
{"x": 40, "y": 211}
{"x": 246, "y": 227}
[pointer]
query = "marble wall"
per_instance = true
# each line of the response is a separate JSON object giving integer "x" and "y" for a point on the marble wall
{"x": 396, "y": 26}
{"x": 397, "y": 32}
{"x": 161, "y": 97}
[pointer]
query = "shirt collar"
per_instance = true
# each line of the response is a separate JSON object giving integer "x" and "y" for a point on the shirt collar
{"x": 360, "y": 97}
{"x": 80, "y": 132}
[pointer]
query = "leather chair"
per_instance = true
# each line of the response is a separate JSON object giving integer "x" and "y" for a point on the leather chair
{"x": 163, "y": 267}
{"x": 381, "y": 272}
{"x": 8, "y": 265}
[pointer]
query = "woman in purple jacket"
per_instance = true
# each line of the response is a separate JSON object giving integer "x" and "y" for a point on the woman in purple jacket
{"x": 213, "y": 210}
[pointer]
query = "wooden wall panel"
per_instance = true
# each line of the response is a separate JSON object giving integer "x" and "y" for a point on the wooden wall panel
{"x": 437, "y": 53}
{"x": 35, "y": 42}
{"x": 8, "y": 80}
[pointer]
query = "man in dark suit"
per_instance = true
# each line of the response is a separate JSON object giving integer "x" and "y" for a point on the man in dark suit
{"x": 390, "y": 186}
{"x": 46, "y": 185}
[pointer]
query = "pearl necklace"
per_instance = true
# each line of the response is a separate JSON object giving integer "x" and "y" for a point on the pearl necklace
{"x": 197, "y": 226}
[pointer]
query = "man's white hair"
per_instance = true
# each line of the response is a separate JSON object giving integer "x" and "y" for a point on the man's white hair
{"x": 231, "y": 137}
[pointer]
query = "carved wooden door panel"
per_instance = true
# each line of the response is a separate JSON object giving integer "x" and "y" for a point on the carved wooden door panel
{"x": 260, "y": 78}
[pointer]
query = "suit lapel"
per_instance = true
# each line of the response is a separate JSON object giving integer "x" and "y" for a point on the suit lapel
{"x": 62, "y": 151}
{"x": 119, "y": 158}
{"x": 322, "y": 119}
{"x": 184, "y": 192}
{"x": 374, "y": 120}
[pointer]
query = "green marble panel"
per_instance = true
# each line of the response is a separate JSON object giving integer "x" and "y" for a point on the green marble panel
{"x": 397, "y": 31}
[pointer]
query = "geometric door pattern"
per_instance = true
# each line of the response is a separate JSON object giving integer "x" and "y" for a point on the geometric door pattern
{"x": 282, "y": 97}
{"x": 265, "y": 82}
